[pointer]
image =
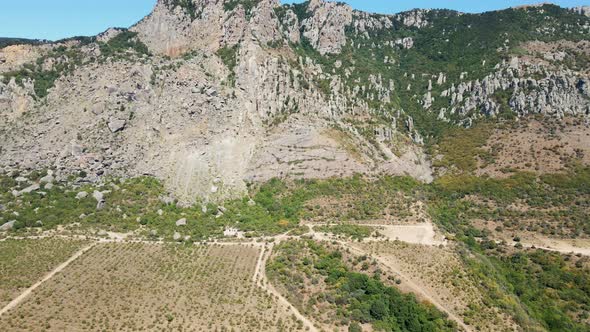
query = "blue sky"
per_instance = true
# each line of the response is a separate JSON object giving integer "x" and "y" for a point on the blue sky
{"x": 56, "y": 19}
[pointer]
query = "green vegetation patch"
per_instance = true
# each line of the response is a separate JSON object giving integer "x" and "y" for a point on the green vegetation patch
{"x": 558, "y": 203}
{"x": 229, "y": 56}
{"x": 348, "y": 298}
{"x": 461, "y": 148}
{"x": 122, "y": 43}
{"x": 136, "y": 203}
{"x": 356, "y": 232}
{"x": 541, "y": 290}
{"x": 357, "y": 198}
{"x": 4, "y": 42}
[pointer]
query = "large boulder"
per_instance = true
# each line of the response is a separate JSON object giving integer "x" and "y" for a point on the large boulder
{"x": 8, "y": 226}
{"x": 99, "y": 197}
{"x": 30, "y": 189}
{"x": 47, "y": 179}
{"x": 116, "y": 125}
{"x": 177, "y": 236}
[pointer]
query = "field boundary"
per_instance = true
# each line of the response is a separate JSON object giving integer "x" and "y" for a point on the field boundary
{"x": 19, "y": 299}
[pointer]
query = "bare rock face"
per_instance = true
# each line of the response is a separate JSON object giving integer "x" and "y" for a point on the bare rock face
{"x": 535, "y": 87}
{"x": 582, "y": 10}
{"x": 15, "y": 99}
{"x": 325, "y": 28}
{"x": 290, "y": 23}
{"x": 12, "y": 57}
{"x": 8, "y": 225}
{"x": 209, "y": 24}
{"x": 171, "y": 30}
{"x": 109, "y": 34}
{"x": 406, "y": 43}
{"x": 415, "y": 18}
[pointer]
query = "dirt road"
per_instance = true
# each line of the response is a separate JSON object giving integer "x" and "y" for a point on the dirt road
{"x": 50, "y": 275}
{"x": 262, "y": 281}
{"x": 423, "y": 233}
{"x": 420, "y": 292}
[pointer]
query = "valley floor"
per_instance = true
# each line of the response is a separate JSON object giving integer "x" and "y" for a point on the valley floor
{"x": 106, "y": 281}
{"x": 103, "y": 283}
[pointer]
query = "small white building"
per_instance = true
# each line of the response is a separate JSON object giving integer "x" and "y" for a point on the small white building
{"x": 232, "y": 232}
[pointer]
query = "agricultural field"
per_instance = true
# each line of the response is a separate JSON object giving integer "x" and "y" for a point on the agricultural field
{"x": 24, "y": 262}
{"x": 149, "y": 287}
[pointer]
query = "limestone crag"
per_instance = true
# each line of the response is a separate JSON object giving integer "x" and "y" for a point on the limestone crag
{"x": 325, "y": 27}
{"x": 171, "y": 30}
{"x": 582, "y": 10}
{"x": 534, "y": 86}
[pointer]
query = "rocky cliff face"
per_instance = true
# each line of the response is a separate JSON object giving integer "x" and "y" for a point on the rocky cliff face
{"x": 582, "y": 10}
{"x": 211, "y": 94}
{"x": 173, "y": 29}
{"x": 536, "y": 82}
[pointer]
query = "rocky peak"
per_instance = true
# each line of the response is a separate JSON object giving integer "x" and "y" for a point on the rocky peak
{"x": 325, "y": 26}
{"x": 415, "y": 18}
{"x": 177, "y": 26}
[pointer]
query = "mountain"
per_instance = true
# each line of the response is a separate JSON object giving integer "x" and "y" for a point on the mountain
{"x": 210, "y": 95}
{"x": 18, "y": 41}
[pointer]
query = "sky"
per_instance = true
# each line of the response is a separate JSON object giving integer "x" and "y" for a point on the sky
{"x": 57, "y": 19}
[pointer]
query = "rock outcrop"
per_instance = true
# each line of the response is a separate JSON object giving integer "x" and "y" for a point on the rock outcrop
{"x": 582, "y": 10}
{"x": 325, "y": 27}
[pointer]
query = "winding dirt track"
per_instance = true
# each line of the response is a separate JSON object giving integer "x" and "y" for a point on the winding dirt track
{"x": 262, "y": 281}
{"x": 50, "y": 275}
{"x": 560, "y": 246}
{"x": 411, "y": 285}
